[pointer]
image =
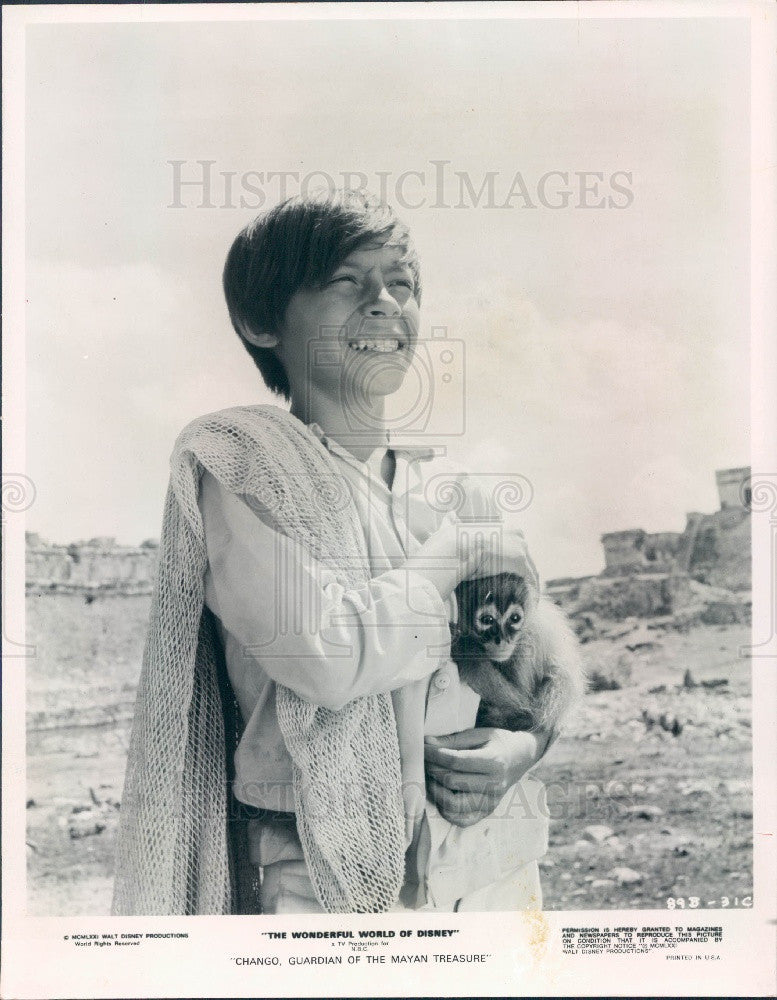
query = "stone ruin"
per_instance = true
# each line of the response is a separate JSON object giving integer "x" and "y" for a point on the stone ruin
{"x": 700, "y": 574}
{"x": 97, "y": 566}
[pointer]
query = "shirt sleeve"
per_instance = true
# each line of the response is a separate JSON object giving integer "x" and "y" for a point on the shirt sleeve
{"x": 291, "y": 616}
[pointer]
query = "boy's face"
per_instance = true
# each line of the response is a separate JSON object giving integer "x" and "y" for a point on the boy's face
{"x": 354, "y": 337}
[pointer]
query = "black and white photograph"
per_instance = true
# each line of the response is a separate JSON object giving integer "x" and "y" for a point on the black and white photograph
{"x": 388, "y": 522}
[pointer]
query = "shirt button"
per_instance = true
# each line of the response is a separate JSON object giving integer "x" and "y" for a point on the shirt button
{"x": 441, "y": 680}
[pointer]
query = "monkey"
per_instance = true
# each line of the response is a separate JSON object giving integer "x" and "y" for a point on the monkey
{"x": 518, "y": 652}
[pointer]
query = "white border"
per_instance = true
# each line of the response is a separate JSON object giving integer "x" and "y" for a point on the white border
{"x": 38, "y": 962}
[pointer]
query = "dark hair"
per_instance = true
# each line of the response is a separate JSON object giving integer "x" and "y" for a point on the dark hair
{"x": 299, "y": 244}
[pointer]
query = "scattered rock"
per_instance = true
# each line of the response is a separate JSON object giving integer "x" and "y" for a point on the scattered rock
{"x": 90, "y": 828}
{"x": 587, "y": 627}
{"x": 695, "y": 788}
{"x": 673, "y": 726}
{"x": 647, "y": 812}
{"x": 597, "y": 834}
{"x": 602, "y": 883}
{"x": 681, "y": 851}
{"x": 598, "y": 681}
{"x": 88, "y": 821}
{"x": 627, "y": 876}
{"x": 583, "y": 846}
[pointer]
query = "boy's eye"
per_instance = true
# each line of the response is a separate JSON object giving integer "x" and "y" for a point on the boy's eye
{"x": 404, "y": 282}
{"x": 343, "y": 277}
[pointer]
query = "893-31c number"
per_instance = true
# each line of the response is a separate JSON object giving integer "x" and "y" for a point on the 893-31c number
{"x": 698, "y": 902}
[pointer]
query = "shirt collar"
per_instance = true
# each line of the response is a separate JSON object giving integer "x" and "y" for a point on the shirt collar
{"x": 391, "y": 441}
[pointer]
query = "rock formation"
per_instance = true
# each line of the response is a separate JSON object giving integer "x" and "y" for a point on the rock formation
{"x": 700, "y": 574}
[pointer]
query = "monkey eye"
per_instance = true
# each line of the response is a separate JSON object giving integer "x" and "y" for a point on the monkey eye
{"x": 515, "y": 618}
{"x": 486, "y": 619}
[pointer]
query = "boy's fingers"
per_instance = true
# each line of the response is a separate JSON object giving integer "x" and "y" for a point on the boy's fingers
{"x": 458, "y": 760}
{"x": 458, "y": 802}
{"x": 465, "y": 740}
{"x": 460, "y": 808}
{"x": 461, "y": 781}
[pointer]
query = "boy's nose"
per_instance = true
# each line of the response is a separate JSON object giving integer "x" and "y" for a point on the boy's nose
{"x": 382, "y": 303}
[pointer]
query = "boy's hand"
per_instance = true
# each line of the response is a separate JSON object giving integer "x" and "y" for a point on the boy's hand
{"x": 468, "y": 773}
{"x": 511, "y": 555}
{"x": 451, "y": 555}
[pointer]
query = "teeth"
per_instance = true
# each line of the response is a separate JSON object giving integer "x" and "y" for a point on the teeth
{"x": 381, "y": 346}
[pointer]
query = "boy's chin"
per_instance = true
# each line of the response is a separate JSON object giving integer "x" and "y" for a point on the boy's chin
{"x": 378, "y": 384}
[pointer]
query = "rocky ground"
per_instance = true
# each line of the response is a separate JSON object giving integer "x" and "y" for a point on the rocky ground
{"x": 649, "y": 790}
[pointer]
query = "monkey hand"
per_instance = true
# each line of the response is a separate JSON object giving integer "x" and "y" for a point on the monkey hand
{"x": 468, "y": 773}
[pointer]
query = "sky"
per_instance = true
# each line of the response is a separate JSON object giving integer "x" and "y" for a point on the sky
{"x": 605, "y": 349}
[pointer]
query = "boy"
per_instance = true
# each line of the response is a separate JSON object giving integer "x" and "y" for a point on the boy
{"x": 333, "y": 618}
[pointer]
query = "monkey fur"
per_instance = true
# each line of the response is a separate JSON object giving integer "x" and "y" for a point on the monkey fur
{"x": 518, "y": 652}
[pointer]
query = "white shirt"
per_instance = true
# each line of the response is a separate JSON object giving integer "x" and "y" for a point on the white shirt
{"x": 284, "y": 618}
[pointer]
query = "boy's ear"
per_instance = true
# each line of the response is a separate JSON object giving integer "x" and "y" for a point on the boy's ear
{"x": 258, "y": 338}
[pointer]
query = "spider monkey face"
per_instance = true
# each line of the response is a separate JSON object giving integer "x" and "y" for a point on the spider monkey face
{"x": 498, "y": 631}
{"x": 492, "y": 611}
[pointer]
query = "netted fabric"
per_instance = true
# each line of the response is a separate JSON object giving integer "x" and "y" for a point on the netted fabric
{"x": 172, "y": 852}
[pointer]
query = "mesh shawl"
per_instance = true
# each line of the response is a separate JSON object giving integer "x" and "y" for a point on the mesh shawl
{"x": 173, "y": 854}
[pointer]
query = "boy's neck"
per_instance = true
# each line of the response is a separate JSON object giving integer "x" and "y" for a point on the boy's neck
{"x": 359, "y": 437}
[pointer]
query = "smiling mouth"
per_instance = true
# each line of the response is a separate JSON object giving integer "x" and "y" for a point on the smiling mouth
{"x": 386, "y": 345}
